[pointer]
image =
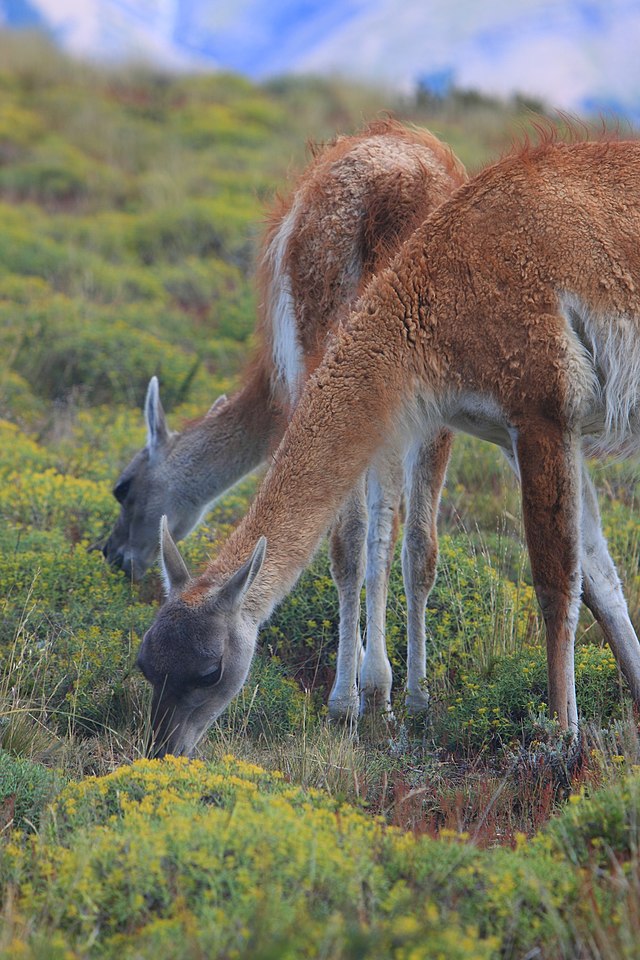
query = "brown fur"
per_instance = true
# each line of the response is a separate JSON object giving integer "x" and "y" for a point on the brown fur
{"x": 394, "y": 203}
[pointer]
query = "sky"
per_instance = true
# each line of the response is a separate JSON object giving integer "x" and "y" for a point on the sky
{"x": 579, "y": 55}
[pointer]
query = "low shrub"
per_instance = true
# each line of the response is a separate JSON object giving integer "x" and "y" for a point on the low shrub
{"x": 103, "y": 361}
{"x": 25, "y": 790}
{"x": 216, "y": 293}
{"x": 69, "y": 629}
{"x": 24, "y": 250}
{"x": 231, "y": 861}
{"x": 17, "y": 401}
{"x": 55, "y": 172}
{"x": 200, "y": 228}
{"x": 595, "y": 830}
{"x": 48, "y": 500}
{"x": 270, "y": 705}
{"x": 19, "y": 450}
{"x": 19, "y": 129}
{"x": 227, "y": 860}
{"x": 507, "y": 703}
{"x": 245, "y": 124}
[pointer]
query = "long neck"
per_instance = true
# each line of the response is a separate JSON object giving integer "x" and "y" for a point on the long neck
{"x": 346, "y": 413}
{"x": 214, "y": 453}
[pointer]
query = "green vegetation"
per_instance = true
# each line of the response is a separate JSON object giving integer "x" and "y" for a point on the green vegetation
{"x": 130, "y": 208}
{"x": 226, "y": 860}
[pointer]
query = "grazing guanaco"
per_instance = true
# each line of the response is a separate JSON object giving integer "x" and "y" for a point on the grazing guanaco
{"x": 512, "y": 313}
{"x": 349, "y": 210}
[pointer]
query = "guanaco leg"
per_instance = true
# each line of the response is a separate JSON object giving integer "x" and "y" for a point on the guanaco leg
{"x": 347, "y": 551}
{"x": 425, "y": 469}
{"x": 384, "y": 493}
{"x": 602, "y": 591}
{"x": 549, "y": 461}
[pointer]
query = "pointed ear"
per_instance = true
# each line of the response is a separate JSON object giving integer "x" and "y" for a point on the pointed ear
{"x": 174, "y": 569}
{"x": 157, "y": 430}
{"x": 220, "y": 402}
{"x": 233, "y": 592}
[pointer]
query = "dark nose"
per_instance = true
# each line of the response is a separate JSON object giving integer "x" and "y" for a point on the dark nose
{"x": 115, "y": 557}
{"x": 110, "y": 550}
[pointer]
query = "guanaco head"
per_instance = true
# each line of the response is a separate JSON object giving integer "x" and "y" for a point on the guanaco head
{"x": 196, "y": 656}
{"x": 146, "y": 490}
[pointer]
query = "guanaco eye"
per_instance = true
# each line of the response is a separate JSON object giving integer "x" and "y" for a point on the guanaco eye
{"x": 121, "y": 490}
{"x": 210, "y": 679}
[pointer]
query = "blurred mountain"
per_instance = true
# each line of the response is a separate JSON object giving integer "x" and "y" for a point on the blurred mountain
{"x": 579, "y": 55}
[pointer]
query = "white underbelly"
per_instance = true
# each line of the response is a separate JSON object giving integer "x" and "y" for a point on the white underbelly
{"x": 487, "y": 422}
{"x": 479, "y": 416}
{"x": 484, "y": 428}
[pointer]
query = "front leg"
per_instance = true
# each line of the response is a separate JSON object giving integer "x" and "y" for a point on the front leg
{"x": 384, "y": 491}
{"x": 549, "y": 461}
{"x": 425, "y": 469}
{"x": 347, "y": 555}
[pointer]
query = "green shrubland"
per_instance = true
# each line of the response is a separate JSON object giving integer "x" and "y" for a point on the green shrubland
{"x": 225, "y": 860}
{"x": 130, "y": 208}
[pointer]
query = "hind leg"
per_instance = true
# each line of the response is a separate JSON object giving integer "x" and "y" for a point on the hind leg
{"x": 550, "y": 463}
{"x": 601, "y": 588}
{"x": 602, "y": 592}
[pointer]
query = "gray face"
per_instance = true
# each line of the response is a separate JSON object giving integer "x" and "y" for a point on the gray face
{"x": 132, "y": 545}
{"x": 196, "y": 660}
{"x": 147, "y": 489}
{"x": 183, "y": 660}
{"x": 196, "y": 656}
{"x": 145, "y": 493}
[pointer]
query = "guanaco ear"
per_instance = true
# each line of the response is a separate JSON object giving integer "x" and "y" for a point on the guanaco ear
{"x": 157, "y": 429}
{"x": 232, "y": 593}
{"x": 220, "y": 402}
{"x": 174, "y": 569}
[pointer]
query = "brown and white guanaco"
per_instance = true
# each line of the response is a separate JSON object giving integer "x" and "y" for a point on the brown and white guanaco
{"x": 349, "y": 210}
{"x": 512, "y": 313}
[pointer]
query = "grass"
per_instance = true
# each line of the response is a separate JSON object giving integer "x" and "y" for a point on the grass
{"x": 130, "y": 205}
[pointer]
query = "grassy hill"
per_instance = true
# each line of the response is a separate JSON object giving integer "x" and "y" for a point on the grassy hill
{"x": 130, "y": 207}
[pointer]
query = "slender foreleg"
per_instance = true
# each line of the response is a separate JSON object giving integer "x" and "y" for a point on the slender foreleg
{"x": 602, "y": 592}
{"x": 347, "y": 553}
{"x": 549, "y": 462}
{"x": 425, "y": 469}
{"x": 384, "y": 491}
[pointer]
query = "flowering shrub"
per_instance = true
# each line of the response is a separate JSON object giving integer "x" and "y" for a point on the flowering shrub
{"x": 48, "y": 500}
{"x": 69, "y": 629}
{"x": 178, "y": 858}
{"x": 17, "y": 449}
{"x": 595, "y": 830}
{"x": 17, "y": 402}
